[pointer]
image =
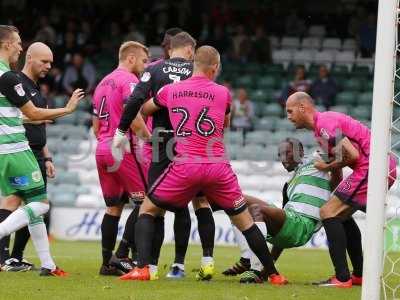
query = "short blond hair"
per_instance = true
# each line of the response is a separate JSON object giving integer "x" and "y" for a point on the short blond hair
{"x": 205, "y": 57}
{"x": 130, "y": 47}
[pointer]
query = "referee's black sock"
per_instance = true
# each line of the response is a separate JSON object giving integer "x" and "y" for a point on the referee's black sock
{"x": 182, "y": 224}
{"x": 21, "y": 239}
{"x": 258, "y": 245}
{"x": 337, "y": 247}
{"x": 109, "y": 232}
{"x": 206, "y": 228}
{"x": 354, "y": 245}
{"x": 128, "y": 238}
{"x": 144, "y": 234}
{"x": 5, "y": 241}
{"x": 158, "y": 239}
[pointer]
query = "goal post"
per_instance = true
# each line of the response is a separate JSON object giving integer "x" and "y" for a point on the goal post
{"x": 382, "y": 107}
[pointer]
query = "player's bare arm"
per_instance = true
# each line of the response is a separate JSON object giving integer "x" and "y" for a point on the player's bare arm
{"x": 346, "y": 155}
{"x": 95, "y": 125}
{"x": 149, "y": 108}
{"x": 36, "y": 114}
{"x": 140, "y": 129}
{"x": 227, "y": 122}
{"x": 26, "y": 120}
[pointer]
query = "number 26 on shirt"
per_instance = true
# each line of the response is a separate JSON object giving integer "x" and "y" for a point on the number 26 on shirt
{"x": 205, "y": 126}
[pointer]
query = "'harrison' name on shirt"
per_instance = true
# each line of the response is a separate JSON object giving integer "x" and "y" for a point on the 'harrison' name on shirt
{"x": 195, "y": 94}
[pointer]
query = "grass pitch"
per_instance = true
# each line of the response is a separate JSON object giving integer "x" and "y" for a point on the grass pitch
{"x": 82, "y": 260}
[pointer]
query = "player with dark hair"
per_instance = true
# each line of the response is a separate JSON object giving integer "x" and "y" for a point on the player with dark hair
{"x": 177, "y": 68}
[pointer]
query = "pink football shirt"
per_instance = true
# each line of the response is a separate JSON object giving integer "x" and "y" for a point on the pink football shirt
{"x": 197, "y": 108}
{"x": 108, "y": 102}
{"x": 330, "y": 127}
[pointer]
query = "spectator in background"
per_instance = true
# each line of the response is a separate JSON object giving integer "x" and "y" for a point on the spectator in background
{"x": 45, "y": 90}
{"x": 46, "y": 34}
{"x": 134, "y": 34}
{"x": 66, "y": 50}
{"x": 242, "y": 112}
{"x": 241, "y": 44}
{"x": 221, "y": 41}
{"x": 356, "y": 21}
{"x": 367, "y": 36}
{"x": 80, "y": 74}
{"x": 261, "y": 46}
{"x": 299, "y": 84}
{"x": 324, "y": 89}
{"x": 294, "y": 25}
{"x": 115, "y": 32}
{"x": 205, "y": 31}
{"x": 222, "y": 14}
{"x": 228, "y": 85}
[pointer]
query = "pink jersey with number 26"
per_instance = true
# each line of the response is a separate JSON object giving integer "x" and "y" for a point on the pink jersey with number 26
{"x": 197, "y": 109}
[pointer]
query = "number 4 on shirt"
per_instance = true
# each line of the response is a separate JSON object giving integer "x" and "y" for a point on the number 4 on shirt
{"x": 103, "y": 114}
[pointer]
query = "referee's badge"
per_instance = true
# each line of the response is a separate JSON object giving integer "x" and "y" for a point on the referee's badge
{"x": 19, "y": 89}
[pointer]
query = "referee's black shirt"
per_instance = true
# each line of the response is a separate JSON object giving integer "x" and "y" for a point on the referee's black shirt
{"x": 36, "y": 134}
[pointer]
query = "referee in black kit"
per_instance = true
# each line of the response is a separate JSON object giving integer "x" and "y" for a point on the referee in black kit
{"x": 38, "y": 60}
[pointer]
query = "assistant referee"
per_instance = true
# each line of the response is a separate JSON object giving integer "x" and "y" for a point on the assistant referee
{"x": 38, "y": 60}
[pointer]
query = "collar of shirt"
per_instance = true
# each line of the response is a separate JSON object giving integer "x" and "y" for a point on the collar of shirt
{"x": 315, "y": 117}
{"x": 125, "y": 71}
{"x": 178, "y": 59}
{"x": 25, "y": 77}
{"x": 199, "y": 77}
{"x": 2, "y": 62}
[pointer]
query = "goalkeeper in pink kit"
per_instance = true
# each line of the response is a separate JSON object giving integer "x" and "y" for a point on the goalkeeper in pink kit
{"x": 347, "y": 143}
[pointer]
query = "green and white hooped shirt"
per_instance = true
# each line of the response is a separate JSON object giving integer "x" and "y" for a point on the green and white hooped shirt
{"x": 12, "y": 96}
{"x": 308, "y": 190}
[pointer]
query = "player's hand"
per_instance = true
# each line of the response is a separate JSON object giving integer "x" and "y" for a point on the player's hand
{"x": 120, "y": 145}
{"x": 320, "y": 165}
{"x": 50, "y": 169}
{"x": 73, "y": 102}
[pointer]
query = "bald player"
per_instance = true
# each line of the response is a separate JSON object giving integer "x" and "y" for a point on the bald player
{"x": 199, "y": 110}
{"x": 346, "y": 142}
{"x": 20, "y": 178}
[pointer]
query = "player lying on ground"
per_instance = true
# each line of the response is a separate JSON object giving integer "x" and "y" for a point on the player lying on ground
{"x": 347, "y": 143}
{"x": 122, "y": 180}
{"x": 294, "y": 225}
{"x": 178, "y": 67}
{"x": 20, "y": 176}
{"x": 199, "y": 110}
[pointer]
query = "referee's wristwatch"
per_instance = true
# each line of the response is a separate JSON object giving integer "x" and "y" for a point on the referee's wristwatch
{"x": 46, "y": 159}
